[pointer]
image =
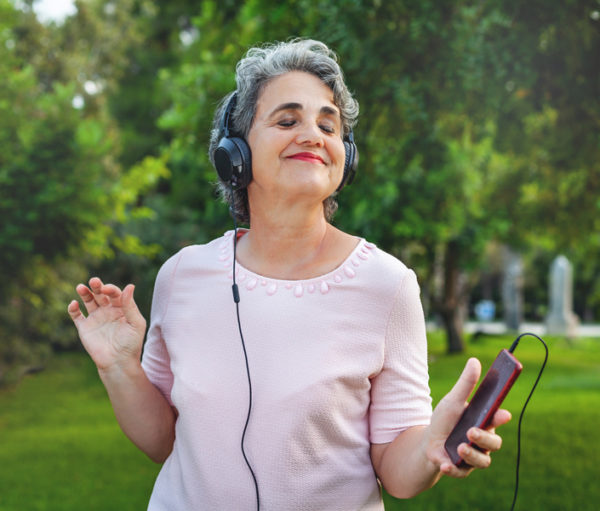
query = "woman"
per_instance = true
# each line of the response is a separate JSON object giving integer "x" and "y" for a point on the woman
{"x": 336, "y": 368}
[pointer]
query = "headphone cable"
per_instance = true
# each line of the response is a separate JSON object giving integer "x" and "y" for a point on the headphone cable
{"x": 511, "y": 350}
{"x": 236, "y": 299}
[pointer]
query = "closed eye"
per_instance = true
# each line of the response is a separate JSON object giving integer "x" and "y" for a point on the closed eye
{"x": 286, "y": 123}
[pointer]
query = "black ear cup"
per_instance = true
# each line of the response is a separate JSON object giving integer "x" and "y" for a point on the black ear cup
{"x": 232, "y": 157}
{"x": 351, "y": 161}
{"x": 233, "y": 161}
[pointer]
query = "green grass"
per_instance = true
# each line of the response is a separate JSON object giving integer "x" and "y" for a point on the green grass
{"x": 61, "y": 449}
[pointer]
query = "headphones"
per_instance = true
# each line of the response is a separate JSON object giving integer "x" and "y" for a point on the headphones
{"x": 233, "y": 158}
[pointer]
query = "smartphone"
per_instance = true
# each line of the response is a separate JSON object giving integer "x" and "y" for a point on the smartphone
{"x": 491, "y": 392}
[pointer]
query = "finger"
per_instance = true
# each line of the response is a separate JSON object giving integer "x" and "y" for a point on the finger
{"x": 95, "y": 284}
{"x": 500, "y": 417}
{"x": 75, "y": 312}
{"x": 450, "y": 469}
{"x": 89, "y": 300}
{"x": 486, "y": 440}
{"x": 96, "y": 287}
{"x": 474, "y": 457}
{"x": 113, "y": 293}
{"x": 130, "y": 308}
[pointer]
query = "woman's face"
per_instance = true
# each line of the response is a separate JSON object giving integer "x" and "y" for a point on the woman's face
{"x": 296, "y": 140}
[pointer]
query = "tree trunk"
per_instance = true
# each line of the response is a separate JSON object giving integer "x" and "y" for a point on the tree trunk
{"x": 451, "y": 300}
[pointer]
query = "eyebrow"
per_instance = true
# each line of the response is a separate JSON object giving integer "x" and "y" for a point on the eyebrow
{"x": 325, "y": 110}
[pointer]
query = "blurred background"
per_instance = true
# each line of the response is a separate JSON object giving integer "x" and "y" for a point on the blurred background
{"x": 479, "y": 141}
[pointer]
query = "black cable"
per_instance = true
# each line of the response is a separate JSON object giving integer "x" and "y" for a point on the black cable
{"x": 511, "y": 350}
{"x": 236, "y": 299}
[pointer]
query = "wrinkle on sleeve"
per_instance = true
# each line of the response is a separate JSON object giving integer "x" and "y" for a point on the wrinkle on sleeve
{"x": 400, "y": 396}
{"x": 155, "y": 359}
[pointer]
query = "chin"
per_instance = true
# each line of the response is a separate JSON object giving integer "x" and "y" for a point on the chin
{"x": 313, "y": 188}
{"x": 318, "y": 182}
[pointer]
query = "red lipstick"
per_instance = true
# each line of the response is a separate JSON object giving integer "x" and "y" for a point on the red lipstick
{"x": 310, "y": 157}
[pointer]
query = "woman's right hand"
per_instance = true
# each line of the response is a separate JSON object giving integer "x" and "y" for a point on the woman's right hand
{"x": 113, "y": 331}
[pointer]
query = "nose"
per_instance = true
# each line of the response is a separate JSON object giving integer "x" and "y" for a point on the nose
{"x": 310, "y": 134}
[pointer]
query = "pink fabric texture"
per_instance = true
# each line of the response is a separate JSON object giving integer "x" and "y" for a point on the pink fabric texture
{"x": 337, "y": 362}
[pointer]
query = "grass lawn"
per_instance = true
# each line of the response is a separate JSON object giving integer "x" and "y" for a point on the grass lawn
{"x": 61, "y": 449}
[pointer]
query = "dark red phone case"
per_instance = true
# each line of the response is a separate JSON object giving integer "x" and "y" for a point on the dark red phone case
{"x": 487, "y": 399}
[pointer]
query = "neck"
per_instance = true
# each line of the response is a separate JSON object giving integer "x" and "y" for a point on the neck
{"x": 286, "y": 246}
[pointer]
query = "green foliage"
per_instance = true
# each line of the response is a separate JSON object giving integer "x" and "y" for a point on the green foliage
{"x": 478, "y": 126}
{"x": 51, "y": 172}
{"x": 439, "y": 84}
{"x": 32, "y": 318}
{"x": 62, "y": 190}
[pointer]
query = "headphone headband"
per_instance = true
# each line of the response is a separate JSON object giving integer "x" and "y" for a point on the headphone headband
{"x": 227, "y": 114}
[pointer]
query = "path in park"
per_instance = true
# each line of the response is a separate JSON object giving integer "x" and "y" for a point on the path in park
{"x": 498, "y": 327}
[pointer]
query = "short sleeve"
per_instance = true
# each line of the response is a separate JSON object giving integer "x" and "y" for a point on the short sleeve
{"x": 400, "y": 396}
{"x": 155, "y": 359}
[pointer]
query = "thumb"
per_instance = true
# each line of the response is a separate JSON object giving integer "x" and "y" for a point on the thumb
{"x": 130, "y": 309}
{"x": 452, "y": 405}
{"x": 466, "y": 382}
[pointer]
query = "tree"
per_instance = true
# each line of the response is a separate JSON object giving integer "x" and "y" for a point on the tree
{"x": 547, "y": 128}
{"x": 61, "y": 189}
{"x": 420, "y": 191}
{"x": 478, "y": 124}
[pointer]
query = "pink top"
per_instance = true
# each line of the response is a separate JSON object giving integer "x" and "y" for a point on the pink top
{"x": 337, "y": 362}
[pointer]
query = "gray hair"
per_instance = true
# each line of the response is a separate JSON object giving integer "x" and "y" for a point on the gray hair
{"x": 253, "y": 72}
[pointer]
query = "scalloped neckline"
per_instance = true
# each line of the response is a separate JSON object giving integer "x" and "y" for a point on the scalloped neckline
{"x": 250, "y": 280}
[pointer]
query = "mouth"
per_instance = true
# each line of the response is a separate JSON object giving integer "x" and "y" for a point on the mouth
{"x": 309, "y": 157}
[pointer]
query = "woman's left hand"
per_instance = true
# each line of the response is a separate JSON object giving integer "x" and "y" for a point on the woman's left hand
{"x": 446, "y": 415}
